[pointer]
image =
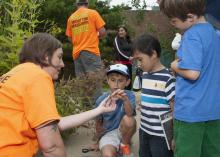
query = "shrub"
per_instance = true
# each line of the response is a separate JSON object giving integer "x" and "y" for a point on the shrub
{"x": 75, "y": 95}
{"x": 17, "y": 23}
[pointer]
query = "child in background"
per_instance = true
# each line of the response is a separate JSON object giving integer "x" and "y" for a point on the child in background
{"x": 123, "y": 50}
{"x": 197, "y": 108}
{"x": 117, "y": 128}
{"x": 158, "y": 90}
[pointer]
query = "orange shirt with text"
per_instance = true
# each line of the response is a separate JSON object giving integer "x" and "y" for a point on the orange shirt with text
{"x": 82, "y": 28}
{"x": 26, "y": 101}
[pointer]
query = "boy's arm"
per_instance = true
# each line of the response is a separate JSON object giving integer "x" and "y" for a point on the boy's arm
{"x": 127, "y": 106}
{"x": 188, "y": 74}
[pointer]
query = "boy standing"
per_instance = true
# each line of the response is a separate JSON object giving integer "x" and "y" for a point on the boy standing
{"x": 116, "y": 128}
{"x": 197, "y": 101}
{"x": 158, "y": 90}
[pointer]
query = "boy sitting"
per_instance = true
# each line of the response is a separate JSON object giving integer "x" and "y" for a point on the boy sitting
{"x": 116, "y": 128}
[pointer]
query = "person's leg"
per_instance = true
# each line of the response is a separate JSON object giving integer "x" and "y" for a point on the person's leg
{"x": 108, "y": 151}
{"x": 144, "y": 147}
{"x": 109, "y": 144}
{"x": 127, "y": 129}
{"x": 188, "y": 138}
{"x": 211, "y": 140}
{"x": 158, "y": 147}
{"x": 78, "y": 66}
{"x": 93, "y": 75}
{"x": 93, "y": 69}
{"x": 91, "y": 62}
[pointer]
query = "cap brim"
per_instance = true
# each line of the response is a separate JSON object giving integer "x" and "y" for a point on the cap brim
{"x": 117, "y": 71}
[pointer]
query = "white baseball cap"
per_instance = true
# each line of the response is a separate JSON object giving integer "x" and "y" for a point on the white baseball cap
{"x": 119, "y": 68}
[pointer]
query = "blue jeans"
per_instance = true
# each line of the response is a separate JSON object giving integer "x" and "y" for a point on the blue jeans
{"x": 153, "y": 146}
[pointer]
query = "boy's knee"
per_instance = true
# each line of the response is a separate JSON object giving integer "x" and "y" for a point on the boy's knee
{"x": 108, "y": 153}
{"x": 128, "y": 122}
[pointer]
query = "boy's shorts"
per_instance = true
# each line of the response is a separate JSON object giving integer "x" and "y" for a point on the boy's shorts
{"x": 111, "y": 138}
{"x": 200, "y": 139}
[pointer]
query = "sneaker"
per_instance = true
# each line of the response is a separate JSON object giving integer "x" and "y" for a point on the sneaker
{"x": 124, "y": 149}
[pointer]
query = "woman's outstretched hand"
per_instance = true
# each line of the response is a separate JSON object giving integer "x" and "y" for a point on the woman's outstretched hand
{"x": 107, "y": 105}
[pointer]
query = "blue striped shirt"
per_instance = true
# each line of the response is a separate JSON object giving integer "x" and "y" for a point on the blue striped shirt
{"x": 158, "y": 89}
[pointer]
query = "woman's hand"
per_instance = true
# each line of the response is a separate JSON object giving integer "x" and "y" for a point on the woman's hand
{"x": 107, "y": 105}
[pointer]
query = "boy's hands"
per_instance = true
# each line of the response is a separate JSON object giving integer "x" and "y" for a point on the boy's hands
{"x": 119, "y": 94}
{"x": 186, "y": 73}
{"x": 174, "y": 66}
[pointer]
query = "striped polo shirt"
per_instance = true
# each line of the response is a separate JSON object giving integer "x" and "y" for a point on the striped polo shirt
{"x": 158, "y": 89}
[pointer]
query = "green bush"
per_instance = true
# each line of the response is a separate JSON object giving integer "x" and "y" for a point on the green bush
{"x": 18, "y": 23}
{"x": 75, "y": 95}
{"x": 165, "y": 39}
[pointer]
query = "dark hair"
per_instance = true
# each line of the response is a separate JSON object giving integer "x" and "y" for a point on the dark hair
{"x": 147, "y": 43}
{"x": 180, "y": 8}
{"x": 38, "y": 47}
{"x": 127, "y": 33}
{"x": 82, "y": 2}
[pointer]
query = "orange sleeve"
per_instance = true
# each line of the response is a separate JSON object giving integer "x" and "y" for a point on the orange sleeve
{"x": 69, "y": 29}
{"x": 99, "y": 22}
{"x": 39, "y": 102}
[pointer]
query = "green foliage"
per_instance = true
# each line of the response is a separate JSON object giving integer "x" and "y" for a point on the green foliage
{"x": 165, "y": 39}
{"x": 141, "y": 10}
{"x": 113, "y": 18}
{"x": 166, "y": 58}
{"x": 76, "y": 95}
{"x": 140, "y": 16}
{"x": 19, "y": 21}
{"x": 57, "y": 11}
{"x": 136, "y": 4}
{"x": 151, "y": 28}
{"x": 67, "y": 101}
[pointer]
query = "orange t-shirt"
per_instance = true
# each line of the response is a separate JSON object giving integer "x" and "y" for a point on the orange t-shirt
{"x": 26, "y": 101}
{"x": 82, "y": 28}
